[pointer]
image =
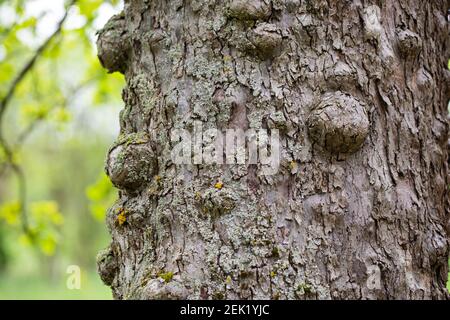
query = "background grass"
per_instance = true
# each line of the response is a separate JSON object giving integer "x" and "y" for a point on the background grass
{"x": 30, "y": 288}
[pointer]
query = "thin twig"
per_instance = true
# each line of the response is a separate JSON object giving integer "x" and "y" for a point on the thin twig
{"x": 29, "y": 129}
{"x": 22, "y": 137}
{"x": 29, "y": 65}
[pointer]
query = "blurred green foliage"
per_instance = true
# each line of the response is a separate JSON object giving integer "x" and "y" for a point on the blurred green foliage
{"x": 58, "y": 124}
{"x": 448, "y": 281}
{"x": 101, "y": 194}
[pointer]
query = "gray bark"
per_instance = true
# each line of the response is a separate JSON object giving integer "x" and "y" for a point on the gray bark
{"x": 359, "y": 206}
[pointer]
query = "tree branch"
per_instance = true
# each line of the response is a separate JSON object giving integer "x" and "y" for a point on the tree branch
{"x": 17, "y": 169}
{"x": 29, "y": 65}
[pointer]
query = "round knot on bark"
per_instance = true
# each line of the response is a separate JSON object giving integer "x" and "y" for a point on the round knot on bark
{"x": 113, "y": 45}
{"x": 249, "y": 9}
{"x": 131, "y": 164}
{"x": 265, "y": 40}
{"x": 409, "y": 43}
{"x": 339, "y": 123}
{"x": 107, "y": 266}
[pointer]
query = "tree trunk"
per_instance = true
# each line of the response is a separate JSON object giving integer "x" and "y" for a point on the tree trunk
{"x": 358, "y": 207}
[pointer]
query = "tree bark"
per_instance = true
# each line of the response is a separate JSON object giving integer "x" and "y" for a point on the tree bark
{"x": 359, "y": 206}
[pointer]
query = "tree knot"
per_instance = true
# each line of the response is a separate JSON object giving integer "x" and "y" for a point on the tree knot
{"x": 339, "y": 123}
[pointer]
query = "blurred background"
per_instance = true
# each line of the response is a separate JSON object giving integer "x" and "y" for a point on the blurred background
{"x": 59, "y": 112}
{"x": 58, "y": 116}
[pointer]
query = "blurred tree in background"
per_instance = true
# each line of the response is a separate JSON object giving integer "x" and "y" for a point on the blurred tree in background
{"x": 58, "y": 114}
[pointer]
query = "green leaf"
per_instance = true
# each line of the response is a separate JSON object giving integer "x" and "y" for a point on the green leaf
{"x": 35, "y": 111}
{"x": 45, "y": 212}
{"x": 61, "y": 115}
{"x": 101, "y": 195}
{"x": 47, "y": 244}
{"x": 88, "y": 8}
{"x": 10, "y": 212}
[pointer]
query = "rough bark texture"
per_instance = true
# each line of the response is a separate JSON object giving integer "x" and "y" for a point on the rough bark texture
{"x": 359, "y": 207}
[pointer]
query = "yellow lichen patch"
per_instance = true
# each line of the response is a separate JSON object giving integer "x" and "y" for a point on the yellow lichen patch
{"x": 198, "y": 196}
{"x": 121, "y": 218}
{"x": 166, "y": 276}
{"x": 273, "y": 274}
{"x": 228, "y": 280}
{"x": 293, "y": 166}
{"x": 157, "y": 179}
{"x": 218, "y": 185}
{"x": 153, "y": 190}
